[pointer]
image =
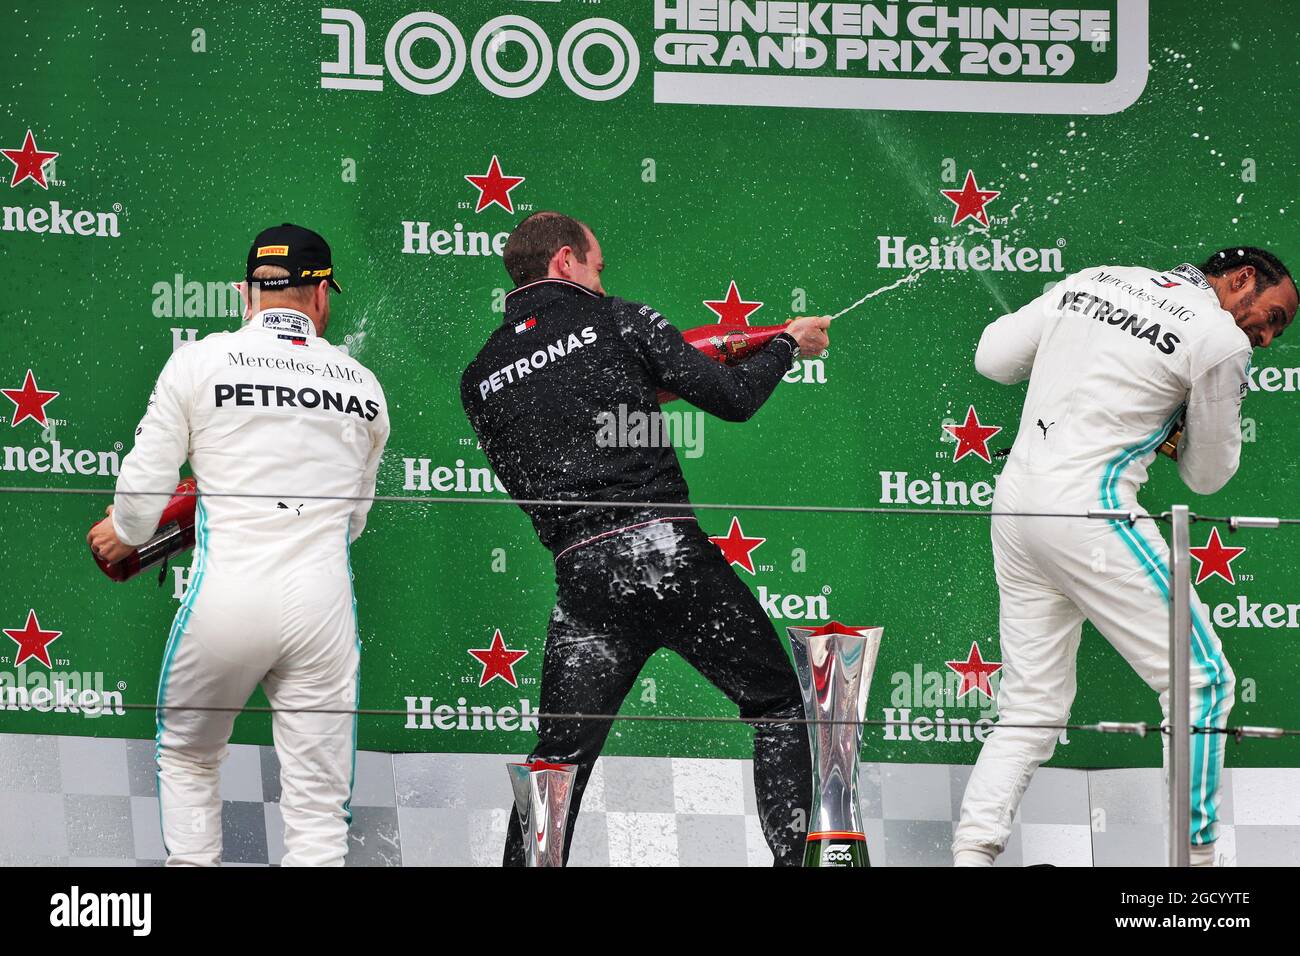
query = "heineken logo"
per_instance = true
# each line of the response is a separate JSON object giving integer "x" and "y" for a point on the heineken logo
{"x": 423, "y": 714}
{"x": 421, "y": 474}
{"x": 898, "y": 488}
{"x": 1245, "y": 613}
{"x": 35, "y": 165}
{"x": 898, "y": 252}
{"x": 1273, "y": 379}
{"x": 40, "y": 682}
{"x": 55, "y": 459}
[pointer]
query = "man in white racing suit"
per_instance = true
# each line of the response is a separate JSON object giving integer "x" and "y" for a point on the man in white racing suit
{"x": 284, "y": 434}
{"x": 1116, "y": 358}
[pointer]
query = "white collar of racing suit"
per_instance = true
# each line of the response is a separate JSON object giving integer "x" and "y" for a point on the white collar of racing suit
{"x": 281, "y": 320}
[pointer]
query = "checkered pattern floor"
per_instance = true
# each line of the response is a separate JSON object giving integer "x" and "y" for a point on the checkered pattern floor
{"x": 82, "y": 800}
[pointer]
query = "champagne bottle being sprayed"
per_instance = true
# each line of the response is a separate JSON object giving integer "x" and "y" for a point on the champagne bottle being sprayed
{"x": 730, "y": 345}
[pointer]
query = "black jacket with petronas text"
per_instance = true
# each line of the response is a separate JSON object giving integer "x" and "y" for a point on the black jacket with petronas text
{"x": 552, "y": 391}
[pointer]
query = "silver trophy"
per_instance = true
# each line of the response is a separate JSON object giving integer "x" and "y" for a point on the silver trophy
{"x": 542, "y": 794}
{"x": 835, "y": 663}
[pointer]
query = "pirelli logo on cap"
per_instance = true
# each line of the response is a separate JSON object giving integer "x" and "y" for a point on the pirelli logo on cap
{"x": 272, "y": 251}
{"x": 317, "y": 273}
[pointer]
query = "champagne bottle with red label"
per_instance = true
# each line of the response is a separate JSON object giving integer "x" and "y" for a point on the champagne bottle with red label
{"x": 730, "y": 345}
{"x": 175, "y": 534}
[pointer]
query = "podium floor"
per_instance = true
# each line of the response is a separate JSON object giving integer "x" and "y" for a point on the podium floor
{"x": 85, "y": 800}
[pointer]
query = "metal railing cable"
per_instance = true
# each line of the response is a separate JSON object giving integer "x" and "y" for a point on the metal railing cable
{"x": 547, "y": 502}
{"x": 1234, "y": 522}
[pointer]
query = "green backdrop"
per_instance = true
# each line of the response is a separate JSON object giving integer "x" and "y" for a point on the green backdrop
{"x": 705, "y": 144}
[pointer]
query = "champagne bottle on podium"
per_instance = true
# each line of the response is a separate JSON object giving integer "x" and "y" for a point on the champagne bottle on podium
{"x": 835, "y": 663}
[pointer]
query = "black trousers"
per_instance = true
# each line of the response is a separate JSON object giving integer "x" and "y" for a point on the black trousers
{"x": 624, "y": 597}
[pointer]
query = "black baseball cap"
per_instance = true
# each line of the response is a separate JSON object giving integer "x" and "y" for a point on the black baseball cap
{"x": 304, "y": 253}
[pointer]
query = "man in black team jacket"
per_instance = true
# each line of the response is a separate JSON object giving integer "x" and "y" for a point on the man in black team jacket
{"x": 630, "y": 580}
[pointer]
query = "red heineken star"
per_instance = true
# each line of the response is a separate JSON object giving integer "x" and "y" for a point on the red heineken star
{"x": 733, "y": 310}
{"x": 736, "y": 548}
{"x": 32, "y": 641}
{"x": 29, "y": 401}
{"x": 975, "y": 673}
{"x": 498, "y": 661}
{"x": 972, "y": 436}
{"x": 1215, "y": 558}
{"x": 970, "y": 201}
{"x": 494, "y": 187}
{"x": 28, "y": 162}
